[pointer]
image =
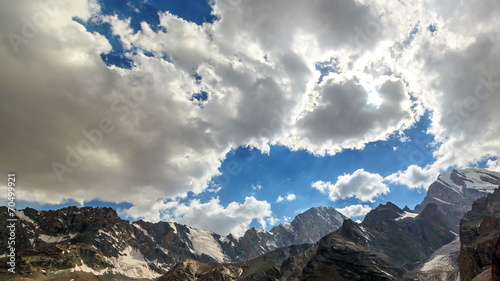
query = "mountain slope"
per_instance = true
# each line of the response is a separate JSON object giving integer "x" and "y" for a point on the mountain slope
{"x": 455, "y": 192}
{"x": 281, "y": 264}
{"x": 385, "y": 246}
{"x": 306, "y": 228}
{"x": 96, "y": 240}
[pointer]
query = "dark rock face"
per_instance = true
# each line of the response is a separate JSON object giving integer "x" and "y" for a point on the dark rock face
{"x": 281, "y": 264}
{"x": 347, "y": 254}
{"x": 479, "y": 233}
{"x": 190, "y": 270}
{"x": 309, "y": 229}
{"x": 306, "y": 228}
{"x": 455, "y": 192}
{"x": 495, "y": 263}
{"x": 383, "y": 247}
{"x": 76, "y": 237}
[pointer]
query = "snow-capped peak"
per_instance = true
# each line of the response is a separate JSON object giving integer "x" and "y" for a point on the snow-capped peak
{"x": 471, "y": 178}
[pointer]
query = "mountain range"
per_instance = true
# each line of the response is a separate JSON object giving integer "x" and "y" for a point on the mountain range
{"x": 428, "y": 243}
{"x": 97, "y": 240}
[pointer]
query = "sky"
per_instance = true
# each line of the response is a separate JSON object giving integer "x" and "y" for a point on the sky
{"x": 230, "y": 114}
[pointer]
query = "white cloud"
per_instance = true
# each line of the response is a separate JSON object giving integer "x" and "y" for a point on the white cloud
{"x": 344, "y": 117}
{"x": 259, "y": 72}
{"x": 361, "y": 184}
{"x": 273, "y": 221}
{"x": 257, "y": 186}
{"x": 212, "y": 216}
{"x": 288, "y": 197}
{"x": 214, "y": 189}
{"x": 355, "y": 210}
{"x": 454, "y": 73}
{"x": 493, "y": 165}
{"x": 414, "y": 177}
{"x": 163, "y": 144}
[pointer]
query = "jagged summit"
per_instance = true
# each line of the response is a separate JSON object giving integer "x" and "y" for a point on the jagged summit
{"x": 384, "y": 250}
{"x": 455, "y": 191}
{"x": 470, "y": 178}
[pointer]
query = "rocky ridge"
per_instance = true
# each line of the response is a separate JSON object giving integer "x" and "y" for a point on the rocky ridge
{"x": 454, "y": 192}
{"x": 479, "y": 238}
{"x": 96, "y": 240}
{"x": 385, "y": 246}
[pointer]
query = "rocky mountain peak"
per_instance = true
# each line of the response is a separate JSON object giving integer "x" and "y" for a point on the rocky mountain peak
{"x": 383, "y": 213}
{"x": 455, "y": 191}
{"x": 314, "y": 223}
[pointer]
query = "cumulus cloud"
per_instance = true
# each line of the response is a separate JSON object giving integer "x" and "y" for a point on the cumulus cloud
{"x": 103, "y": 132}
{"x": 79, "y": 129}
{"x": 288, "y": 197}
{"x": 466, "y": 111}
{"x": 414, "y": 177}
{"x": 355, "y": 210}
{"x": 212, "y": 216}
{"x": 345, "y": 117}
{"x": 493, "y": 165}
{"x": 362, "y": 185}
{"x": 453, "y": 71}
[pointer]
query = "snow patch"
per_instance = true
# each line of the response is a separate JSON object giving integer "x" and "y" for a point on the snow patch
{"x": 476, "y": 177}
{"x": 56, "y": 239}
{"x": 473, "y": 178}
{"x": 164, "y": 250}
{"x": 364, "y": 233}
{"x": 441, "y": 201}
{"x": 143, "y": 231}
{"x": 442, "y": 262}
{"x": 445, "y": 258}
{"x": 108, "y": 234}
{"x": 407, "y": 215}
{"x": 445, "y": 179}
{"x": 172, "y": 225}
{"x": 130, "y": 263}
{"x": 204, "y": 243}
{"x": 22, "y": 216}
